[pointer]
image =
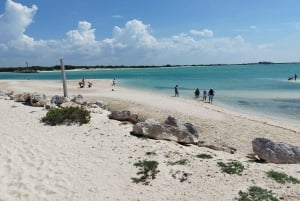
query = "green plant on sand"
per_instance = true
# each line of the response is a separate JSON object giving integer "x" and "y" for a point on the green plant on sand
{"x": 67, "y": 115}
{"x": 233, "y": 167}
{"x": 256, "y": 193}
{"x": 147, "y": 170}
{"x": 179, "y": 162}
{"x": 204, "y": 156}
{"x": 282, "y": 178}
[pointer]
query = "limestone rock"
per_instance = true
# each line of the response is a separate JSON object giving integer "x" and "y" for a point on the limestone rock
{"x": 98, "y": 103}
{"x": 5, "y": 93}
{"x": 50, "y": 106}
{"x": 58, "y": 100}
{"x": 70, "y": 104}
{"x": 124, "y": 116}
{"x": 275, "y": 152}
{"x": 38, "y": 99}
{"x": 171, "y": 121}
{"x": 23, "y": 97}
{"x": 78, "y": 99}
{"x": 185, "y": 133}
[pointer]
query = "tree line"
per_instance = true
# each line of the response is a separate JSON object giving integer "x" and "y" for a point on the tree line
{"x": 35, "y": 69}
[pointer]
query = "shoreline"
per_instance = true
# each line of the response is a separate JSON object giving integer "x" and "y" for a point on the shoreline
{"x": 247, "y": 113}
{"x": 95, "y": 161}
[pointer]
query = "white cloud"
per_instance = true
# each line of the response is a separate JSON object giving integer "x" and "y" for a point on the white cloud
{"x": 83, "y": 35}
{"x": 15, "y": 20}
{"x": 204, "y": 32}
{"x": 135, "y": 34}
{"x": 253, "y": 27}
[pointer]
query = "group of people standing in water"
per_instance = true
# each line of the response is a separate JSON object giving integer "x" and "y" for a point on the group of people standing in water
{"x": 210, "y": 94}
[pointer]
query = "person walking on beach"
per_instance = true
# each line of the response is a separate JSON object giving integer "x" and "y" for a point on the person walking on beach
{"x": 211, "y": 94}
{"x": 197, "y": 93}
{"x": 204, "y": 95}
{"x": 295, "y": 76}
{"x": 176, "y": 90}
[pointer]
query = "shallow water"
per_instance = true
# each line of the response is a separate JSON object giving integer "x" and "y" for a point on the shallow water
{"x": 253, "y": 89}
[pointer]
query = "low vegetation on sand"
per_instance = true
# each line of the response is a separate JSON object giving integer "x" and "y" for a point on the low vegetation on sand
{"x": 204, "y": 156}
{"x": 179, "y": 162}
{"x": 282, "y": 178}
{"x": 233, "y": 167}
{"x": 67, "y": 116}
{"x": 147, "y": 169}
{"x": 256, "y": 193}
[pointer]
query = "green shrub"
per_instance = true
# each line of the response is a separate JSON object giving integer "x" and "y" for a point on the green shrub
{"x": 233, "y": 167}
{"x": 67, "y": 115}
{"x": 179, "y": 162}
{"x": 282, "y": 178}
{"x": 204, "y": 156}
{"x": 147, "y": 170}
{"x": 256, "y": 193}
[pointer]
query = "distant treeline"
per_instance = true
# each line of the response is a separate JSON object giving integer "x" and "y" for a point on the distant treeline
{"x": 35, "y": 69}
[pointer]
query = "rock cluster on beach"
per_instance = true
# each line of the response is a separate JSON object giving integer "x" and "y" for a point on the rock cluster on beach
{"x": 173, "y": 129}
{"x": 37, "y": 99}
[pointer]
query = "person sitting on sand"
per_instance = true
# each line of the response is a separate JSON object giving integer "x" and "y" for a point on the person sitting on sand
{"x": 82, "y": 83}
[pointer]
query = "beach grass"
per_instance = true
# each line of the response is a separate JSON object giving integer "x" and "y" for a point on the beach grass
{"x": 179, "y": 162}
{"x": 204, "y": 156}
{"x": 67, "y": 116}
{"x": 282, "y": 178}
{"x": 147, "y": 169}
{"x": 256, "y": 193}
{"x": 233, "y": 167}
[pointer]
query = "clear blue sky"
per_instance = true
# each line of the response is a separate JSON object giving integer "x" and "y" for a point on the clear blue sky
{"x": 144, "y": 32}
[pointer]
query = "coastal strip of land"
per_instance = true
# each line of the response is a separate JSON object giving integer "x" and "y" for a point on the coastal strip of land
{"x": 96, "y": 161}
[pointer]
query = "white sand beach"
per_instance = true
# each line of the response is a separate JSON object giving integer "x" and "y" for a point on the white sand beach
{"x": 95, "y": 161}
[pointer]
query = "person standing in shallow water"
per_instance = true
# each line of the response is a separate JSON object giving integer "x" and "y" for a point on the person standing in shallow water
{"x": 197, "y": 93}
{"x": 176, "y": 90}
{"x": 211, "y": 94}
{"x": 204, "y": 95}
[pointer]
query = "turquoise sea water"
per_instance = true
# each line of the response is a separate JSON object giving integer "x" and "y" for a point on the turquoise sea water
{"x": 253, "y": 89}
